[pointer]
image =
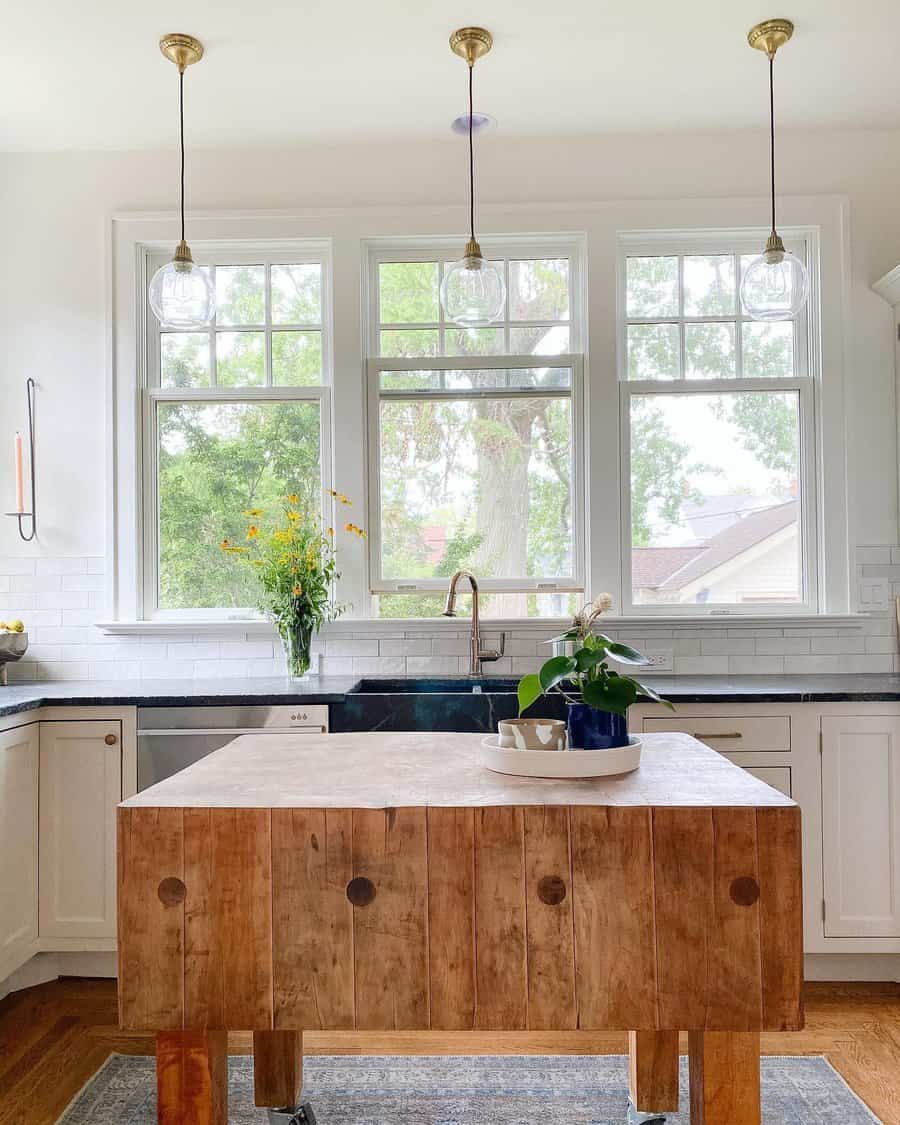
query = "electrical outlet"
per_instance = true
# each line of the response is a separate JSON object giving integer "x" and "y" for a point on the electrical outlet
{"x": 660, "y": 659}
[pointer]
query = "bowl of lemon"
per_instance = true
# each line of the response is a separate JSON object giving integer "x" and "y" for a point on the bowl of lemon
{"x": 13, "y": 641}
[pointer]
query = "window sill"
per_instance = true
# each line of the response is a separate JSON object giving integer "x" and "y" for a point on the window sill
{"x": 254, "y": 627}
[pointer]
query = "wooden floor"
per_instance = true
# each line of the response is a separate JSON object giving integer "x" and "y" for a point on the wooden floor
{"x": 54, "y": 1037}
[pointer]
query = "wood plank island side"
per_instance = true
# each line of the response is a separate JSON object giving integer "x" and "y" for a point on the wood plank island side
{"x": 493, "y": 912}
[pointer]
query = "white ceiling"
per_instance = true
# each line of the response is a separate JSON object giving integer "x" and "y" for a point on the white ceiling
{"x": 89, "y": 74}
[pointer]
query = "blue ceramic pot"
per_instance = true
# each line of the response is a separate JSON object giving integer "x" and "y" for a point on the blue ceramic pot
{"x": 590, "y": 729}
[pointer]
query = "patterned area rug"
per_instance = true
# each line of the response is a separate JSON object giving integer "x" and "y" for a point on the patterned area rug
{"x": 469, "y": 1090}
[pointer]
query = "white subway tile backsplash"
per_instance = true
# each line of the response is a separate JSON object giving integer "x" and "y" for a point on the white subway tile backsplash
{"x": 433, "y": 666}
{"x": 450, "y": 646}
{"x": 382, "y": 665}
{"x": 67, "y": 565}
{"x": 350, "y": 646}
{"x": 728, "y": 646}
{"x": 404, "y": 646}
{"x": 755, "y": 665}
{"x": 246, "y": 650}
{"x": 18, "y": 583}
{"x": 83, "y": 582}
{"x": 12, "y": 565}
{"x": 60, "y": 598}
{"x": 783, "y": 646}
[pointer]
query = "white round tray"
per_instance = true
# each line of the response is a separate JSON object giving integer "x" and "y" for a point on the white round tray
{"x": 560, "y": 763}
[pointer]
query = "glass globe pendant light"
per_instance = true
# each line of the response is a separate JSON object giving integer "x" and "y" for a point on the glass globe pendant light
{"x": 181, "y": 293}
{"x": 473, "y": 292}
{"x": 776, "y": 284}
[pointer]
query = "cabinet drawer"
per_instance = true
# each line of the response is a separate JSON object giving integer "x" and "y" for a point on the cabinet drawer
{"x": 731, "y": 734}
{"x": 779, "y": 777}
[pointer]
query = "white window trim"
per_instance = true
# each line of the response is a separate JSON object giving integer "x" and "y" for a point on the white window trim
{"x": 222, "y": 252}
{"x": 806, "y": 384}
{"x": 381, "y": 251}
{"x": 595, "y": 226}
{"x": 548, "y": 585}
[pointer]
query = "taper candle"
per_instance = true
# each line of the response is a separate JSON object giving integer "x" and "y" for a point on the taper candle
{"x": 20, "y": 476}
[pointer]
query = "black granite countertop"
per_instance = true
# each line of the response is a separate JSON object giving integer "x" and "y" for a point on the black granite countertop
{"x": 174, "y": 693}
{"x": 835, "y": 688}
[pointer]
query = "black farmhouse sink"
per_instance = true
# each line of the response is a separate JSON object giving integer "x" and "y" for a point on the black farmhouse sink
{"x": 432, "y": 685}
{"x": 446, "y": 703}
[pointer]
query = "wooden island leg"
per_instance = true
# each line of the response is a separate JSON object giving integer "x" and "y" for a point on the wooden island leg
{"x": 192, "y": 1077}
{"x": 278, "y": 1076}
{"x": 724, "y": 1068}
{"x": 653, "y": 1074}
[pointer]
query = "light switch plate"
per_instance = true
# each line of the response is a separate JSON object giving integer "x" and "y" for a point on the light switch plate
{"x": 660, "y": 660}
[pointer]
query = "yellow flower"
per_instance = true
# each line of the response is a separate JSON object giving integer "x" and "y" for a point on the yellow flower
{"x": 253, "y": 513}
{"x": 293, "y": 516}
{"x": 297, "y": 590}
{"x": 282, "y": 536}
{"x": 293, "y": 498}
{"x": 348, "y": 527}
{"x": 331, "y": 532}
{"x": 225, "y": 544}
{"x": 252, "y": 531}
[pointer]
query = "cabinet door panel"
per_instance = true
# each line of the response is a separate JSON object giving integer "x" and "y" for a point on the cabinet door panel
{"x": 18, "y": 846}
{"x": 81, "y": 784}
{"x": 861, "y": 825}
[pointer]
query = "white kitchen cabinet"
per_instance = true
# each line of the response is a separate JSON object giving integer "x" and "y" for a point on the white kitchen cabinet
{"x": 779, "y": 777}
{"x": 861, "y": 825}
{"x": 18, "y": 846}
{"x": 80, "y": 786}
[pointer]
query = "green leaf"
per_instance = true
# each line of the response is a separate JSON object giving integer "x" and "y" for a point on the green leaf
{"x": 617, "y": 693}
{"x": 530, "y": 690}
{"x": 569, "y": 635}
{"x": 625, "y": 654}
{"x": 586, "y": 658}
{"x": 655, "y": 696}
{"x": 556, "y": 669}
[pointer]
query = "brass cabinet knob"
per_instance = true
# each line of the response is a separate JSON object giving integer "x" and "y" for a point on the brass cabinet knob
{"x": 110, "y": 740}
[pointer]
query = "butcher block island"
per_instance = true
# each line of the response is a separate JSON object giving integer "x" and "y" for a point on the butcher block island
{"x": 391, "y": 882}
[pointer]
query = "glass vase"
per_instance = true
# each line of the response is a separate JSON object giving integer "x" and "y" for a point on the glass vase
{"x": 296, "y": 639}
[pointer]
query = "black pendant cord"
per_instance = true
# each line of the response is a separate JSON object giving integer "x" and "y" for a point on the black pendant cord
{"x": 772, "y": 132}
{"x": 471, "y": 161}
{"x": 181, "y": 134}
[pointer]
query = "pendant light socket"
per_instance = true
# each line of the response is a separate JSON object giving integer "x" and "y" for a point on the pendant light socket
{"x": 769, "y": 35}
{"x": 183, "y": 258}
{"x": 774, "y": 251}
{"x": 473, "y": 250}
{"x": 182, "y": 50}
{"x": 470, "y": 43}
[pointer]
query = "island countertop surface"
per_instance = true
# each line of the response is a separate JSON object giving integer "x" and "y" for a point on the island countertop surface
{"x": 422, "y": 769}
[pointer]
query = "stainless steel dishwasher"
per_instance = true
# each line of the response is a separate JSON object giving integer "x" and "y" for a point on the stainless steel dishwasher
{"x": 170, "y": 738}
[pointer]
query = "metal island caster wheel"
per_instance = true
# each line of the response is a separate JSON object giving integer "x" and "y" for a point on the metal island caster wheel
{"x": 292, "y": 1115}
{"x": 641, "y": 1117}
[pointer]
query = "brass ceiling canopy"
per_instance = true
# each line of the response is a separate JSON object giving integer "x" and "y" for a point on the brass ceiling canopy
{"x": 769, "y": 35}
{"x": 470, "y": 43}
{"x": 182, "y": 50}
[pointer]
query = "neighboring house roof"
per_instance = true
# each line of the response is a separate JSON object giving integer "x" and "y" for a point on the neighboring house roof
{"x": 734, "y": 541}
{"x": 651, "y": 566}
{"x": 672, "y": 568}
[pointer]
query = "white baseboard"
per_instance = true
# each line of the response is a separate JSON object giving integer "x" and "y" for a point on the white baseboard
{"x": 852, "y": 966}
{"x": 44, "y": 967}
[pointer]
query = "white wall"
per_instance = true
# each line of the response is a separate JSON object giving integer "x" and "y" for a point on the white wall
{"x": 54, "y": 211}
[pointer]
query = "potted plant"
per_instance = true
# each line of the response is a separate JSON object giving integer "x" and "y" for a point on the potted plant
{"x": 295, "y": 561}
{"x": 597, "y": 696}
